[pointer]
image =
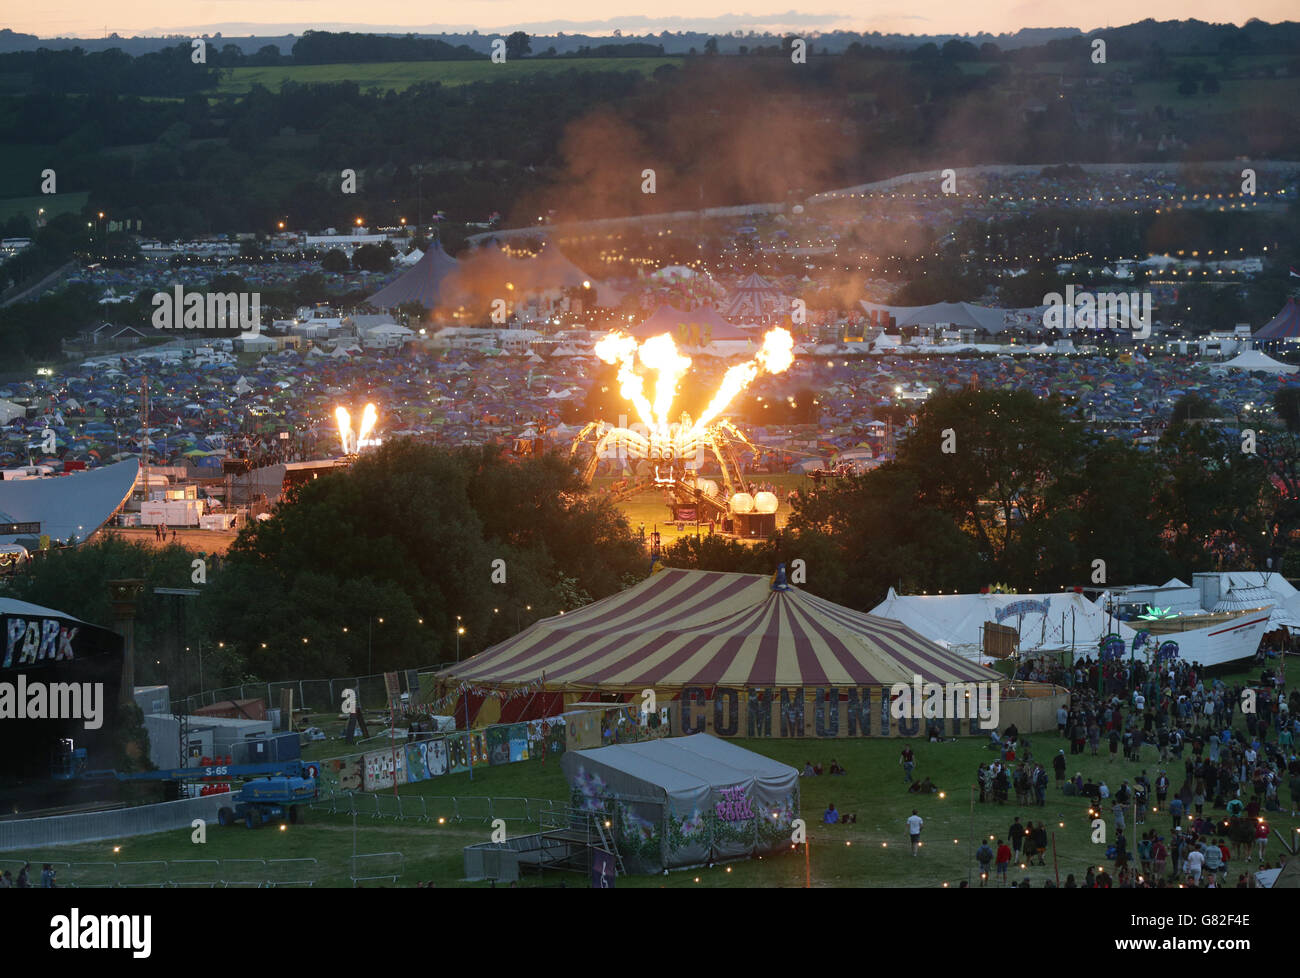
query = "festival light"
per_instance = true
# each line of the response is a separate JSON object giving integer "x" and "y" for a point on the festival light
{"x": 354, "y": 443}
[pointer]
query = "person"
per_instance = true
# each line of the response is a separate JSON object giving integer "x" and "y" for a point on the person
{"x": 984, "y": 856}
{"x": 1058, "y": 765}
{"x": 1193, "y": 864}
{"x": 1003, "y": 860}
{"x": 808, "y": 771}
{"x": 1159, "y": 856}
{"x": 1261, "y": 839}
{"x": 835, "y": 767}
{"x": 47, "y": 876}
{"x": 908, "y": 760}
{"x": 6, "y": 880}
{"x": 22, "y": 882}
{"x": 832, "y": 817}
{"x": 1016, "y": 834}
{"x": 922, "y": 787}
{"x": 1176, "y": 812}
{"x": 1213, "y": 859}
{"x": 914, "y": 823}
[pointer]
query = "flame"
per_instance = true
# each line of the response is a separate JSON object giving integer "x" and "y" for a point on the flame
{"x": 345, "y": 426}
{"x": 368, "y": 418}
{"x": 659, "y": 353}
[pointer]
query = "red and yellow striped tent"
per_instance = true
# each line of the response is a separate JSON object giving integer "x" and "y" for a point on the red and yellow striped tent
{"x": 684, "y": 628}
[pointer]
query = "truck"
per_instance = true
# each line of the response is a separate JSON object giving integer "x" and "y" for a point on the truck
{"x": 267, "y": 800}
{"x": 276, "y": 793}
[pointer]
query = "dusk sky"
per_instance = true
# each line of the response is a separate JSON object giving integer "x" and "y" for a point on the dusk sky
{"x": 241, "y": 17}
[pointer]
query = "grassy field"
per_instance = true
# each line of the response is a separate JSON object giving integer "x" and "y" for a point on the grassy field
{"x": 54, "y": 204}
{"x": 872, "y": 852}
{"x": 400, "y": 75}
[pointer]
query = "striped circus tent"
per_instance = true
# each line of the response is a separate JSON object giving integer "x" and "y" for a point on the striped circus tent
{"x": 684, "y": 628}
{"x": 1284, "y": 326}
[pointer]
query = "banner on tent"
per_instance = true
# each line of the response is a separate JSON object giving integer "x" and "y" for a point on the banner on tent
{"x": 832, "y": 712}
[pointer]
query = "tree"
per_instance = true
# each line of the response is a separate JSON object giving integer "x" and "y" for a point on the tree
{"x": 371, "y": 258}
{"x": 335, "y": 262}
{"x": 518, "y": 45}
{"x": 990, "y": 461}
{"x": 711, "y": 46}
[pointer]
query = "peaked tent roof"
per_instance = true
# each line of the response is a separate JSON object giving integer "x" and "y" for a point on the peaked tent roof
{"x": 955, "y": 621}
{"x": 960, "y": 314}
{"x": 1285, "y": 325}
{"x": 754, "y": 298}
{"x": 697, "y": 327}
{"x": 421, "y": 283}
{"x": 704, "y": 628}
{"x": 1255, "y": 360}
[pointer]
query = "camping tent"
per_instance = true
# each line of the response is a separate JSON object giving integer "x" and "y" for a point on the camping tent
{"x": 1045, "y": 622}
{"x": 1255, "y": 360}
{"x": 686, "y": 800}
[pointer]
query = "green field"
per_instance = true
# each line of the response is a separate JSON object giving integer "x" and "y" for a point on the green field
{"x": 400, "y": 75}
{"x": 872, "y": 852}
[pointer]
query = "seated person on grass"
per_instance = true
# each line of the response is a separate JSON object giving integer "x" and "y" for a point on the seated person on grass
{"x": 831, "y": 817}
{"x": 835, "y": 767}
{"x": 923, "y": 787}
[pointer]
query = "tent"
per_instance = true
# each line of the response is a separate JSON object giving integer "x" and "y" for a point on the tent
{"x": 959, "y": 315}
{"x": 422, "y": 282}
{"x": 685, "y": 801}
{"x": 710, "y": 635}
{"x": 755, "y": 299}
{"x": 75, "y": 505}
{"x": 1256, "y": 360}
{"x": 1284, "y": 326}
{"x": 1045, "y": 622}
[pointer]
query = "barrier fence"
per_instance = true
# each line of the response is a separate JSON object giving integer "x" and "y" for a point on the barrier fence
{"x": 117, "y": 823}
{"x": 208, "y": 873}
{"x": 317, "y": 695}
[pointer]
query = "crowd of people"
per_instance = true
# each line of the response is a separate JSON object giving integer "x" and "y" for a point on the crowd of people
{"x": 1217, "y": 761}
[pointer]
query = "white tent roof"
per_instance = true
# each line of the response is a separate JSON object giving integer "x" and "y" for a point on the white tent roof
{"x": 1255, "y": 360}
{"x": 956, "y": 620}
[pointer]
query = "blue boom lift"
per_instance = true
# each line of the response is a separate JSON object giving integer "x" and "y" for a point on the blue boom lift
{"x": 276, "y": 795}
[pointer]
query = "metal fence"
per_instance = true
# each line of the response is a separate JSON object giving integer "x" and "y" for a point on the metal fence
{"x": 118, "y": 823}
{"x": 189, "y": 873}
{"x": 376, "y": 866}
{"x": 317, "y": 695}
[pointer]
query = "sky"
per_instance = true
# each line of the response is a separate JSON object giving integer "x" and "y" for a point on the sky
{"x": 82, "y": 18}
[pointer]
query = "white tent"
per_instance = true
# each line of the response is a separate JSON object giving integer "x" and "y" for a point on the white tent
{"x": 1046, "y": 622}
{"x": 1255, "y": 360}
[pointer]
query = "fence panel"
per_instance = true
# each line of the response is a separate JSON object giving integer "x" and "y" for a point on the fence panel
{"x": 193, "y": 872}
{"x": 473, "y": 809}
{"x": 152, "y": 872}
{"x": 243, "y": 872}
{"x": 510, "y": 809}
{"x": 91, "y": 875}
{"x": 292, "y": 872}
{"x": 36, "y": 833}
{"x": 377, "y": 866}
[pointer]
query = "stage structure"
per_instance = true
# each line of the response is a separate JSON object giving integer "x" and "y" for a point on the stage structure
{"x": 668, "y": 454}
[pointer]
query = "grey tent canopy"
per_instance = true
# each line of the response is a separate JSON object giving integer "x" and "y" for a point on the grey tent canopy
{"x": 686, "y": 800}
{"x": 421, "y": 283}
